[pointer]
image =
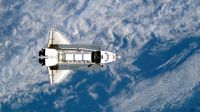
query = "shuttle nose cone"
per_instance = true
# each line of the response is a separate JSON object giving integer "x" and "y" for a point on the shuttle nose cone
{"x": 118, "y": 56}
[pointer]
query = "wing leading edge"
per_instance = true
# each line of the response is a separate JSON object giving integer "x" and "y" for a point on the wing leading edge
{"x": 56, "y": 37}
{"x": 57, "y": 76}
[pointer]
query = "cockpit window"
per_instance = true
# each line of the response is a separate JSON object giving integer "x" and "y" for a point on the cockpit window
{"x": 107, "y": 56}
{"x": 96, "y": 56}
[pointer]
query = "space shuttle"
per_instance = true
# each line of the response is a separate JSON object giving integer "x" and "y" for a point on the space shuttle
{"x": 61, "y": 57}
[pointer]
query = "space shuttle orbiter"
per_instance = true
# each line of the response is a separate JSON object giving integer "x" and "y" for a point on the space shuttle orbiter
{"x": 61, "y": 57}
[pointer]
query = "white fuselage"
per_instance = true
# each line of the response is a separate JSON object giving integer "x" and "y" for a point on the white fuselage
{"x": 76, "y": 56}
{"x": 62, "y": 57}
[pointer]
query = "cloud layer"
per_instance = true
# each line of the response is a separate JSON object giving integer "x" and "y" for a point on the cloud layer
{"x": 123, "y": 26}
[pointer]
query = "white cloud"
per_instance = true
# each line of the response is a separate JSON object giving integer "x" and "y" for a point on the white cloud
{"x": 169, "y": 88}
{"x": 91, "y": 91}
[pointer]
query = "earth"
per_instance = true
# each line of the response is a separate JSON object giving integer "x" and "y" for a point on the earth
{"x": 159, "y": 42}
